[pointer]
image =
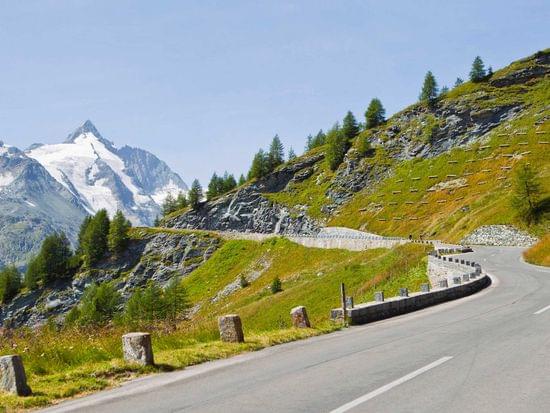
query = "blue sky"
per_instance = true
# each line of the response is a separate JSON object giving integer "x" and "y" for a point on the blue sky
{"x": 203, "y": 84}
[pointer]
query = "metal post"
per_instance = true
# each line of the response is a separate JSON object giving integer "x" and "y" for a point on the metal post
{"x": 343, "y": 298}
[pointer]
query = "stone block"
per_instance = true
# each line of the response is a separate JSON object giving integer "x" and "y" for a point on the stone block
{"x": 379, "y": 296}
{"x": 231, "y": 328}
{"x": 425, "y": 288}
{"x": 137, "y": 348}
{"x": 299, "y": 317}
{"x": 403, "y": 292}
{"x": 457, "y": 280}
{"x": 12, "y": 376}
{"x": 443, "y": 283}
{"x": 465, "y": 277}
{"x": 337, "y": 314}
{"x": 349, "y": 302}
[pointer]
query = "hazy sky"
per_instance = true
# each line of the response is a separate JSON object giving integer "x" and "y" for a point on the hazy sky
{"x": 203, "y": 84}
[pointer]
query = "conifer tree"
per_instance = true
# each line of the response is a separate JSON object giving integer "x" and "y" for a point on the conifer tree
{"x": 363, "y": 146}
{"x": 10, "y": 283}
{"x": 291, "y": 154}
{"x": 228, "y": 183}
{"x": 477, "y": 73}
{"x": 95, "y": 238}
{"x": 54, "y": 257}
{"x": 82, "y": 231}
{"x": 458, "y": 81}
{"x": 336, "y": 147}
{"x": 98, "y": 305}
{"x": 175, "y": 300}
{"x": 181, "y": 201}
{"x": 242, "y": 180}
{"x": 276, "y": 154}
{"x": 309, "y": 142}
{"x": 169, "y": 204}
{"x": 259, "y": 167}
{"x": 33, "y": 273}
{"x": 213, "y": 187}
{"x": 375, "y": 114}
{"x": 195, "y": 194}
{"x": 350, "y": 128}
{"x": 429, "y": 91}
{"x": 444, "y": 91}
{"x": 527, "y": 190}
{"x": 119, "y": 233}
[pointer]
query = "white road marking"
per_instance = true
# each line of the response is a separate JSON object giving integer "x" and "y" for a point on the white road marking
{"x": 389, "y": 386}
{"x": 542, "y": 310}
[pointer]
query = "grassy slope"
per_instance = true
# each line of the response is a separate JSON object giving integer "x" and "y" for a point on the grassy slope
{"x": 539, "y": 254}
{"x": 71, "y": 362}
{"x": 446, "y": 214}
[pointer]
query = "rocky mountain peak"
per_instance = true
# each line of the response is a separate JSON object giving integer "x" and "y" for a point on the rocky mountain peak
{"x": 85, "y": 128}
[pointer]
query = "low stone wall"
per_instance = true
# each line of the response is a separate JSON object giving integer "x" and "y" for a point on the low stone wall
{"x": 401, "y": 305}
{"x": 451, "y": 278}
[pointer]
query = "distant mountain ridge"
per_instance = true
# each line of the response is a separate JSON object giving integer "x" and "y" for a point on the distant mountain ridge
{"x": 51, "y": 187}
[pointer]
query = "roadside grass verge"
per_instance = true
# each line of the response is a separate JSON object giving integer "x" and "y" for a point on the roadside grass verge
{"x": 64, "y": 363}
{"x": 539, "y": 254}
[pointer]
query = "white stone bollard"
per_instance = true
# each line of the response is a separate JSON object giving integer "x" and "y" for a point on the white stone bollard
{"x": 231, "y": 328}
{"x": 12, "y": 376}
{"x": 137, "y": 348}
{"x": 299, "y": 317}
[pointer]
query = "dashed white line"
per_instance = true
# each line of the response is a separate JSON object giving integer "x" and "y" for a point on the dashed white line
{"x": 542, "y": 310}
{"x": 389, "y": 386}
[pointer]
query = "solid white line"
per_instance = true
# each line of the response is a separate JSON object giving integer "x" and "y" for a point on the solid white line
{"x": 389, "y": 386}
{"x": 542, "y": 310}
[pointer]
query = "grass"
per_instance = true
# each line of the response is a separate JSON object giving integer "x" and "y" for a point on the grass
{"x": 71, "y": 362}
{"x": 539, "y": 254}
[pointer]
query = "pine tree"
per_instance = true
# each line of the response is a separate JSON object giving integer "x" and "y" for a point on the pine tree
{"x": 195, "y": 194}
{"x": 527, "y": 190}
{"x": 98, "y": 305}
{"x": 276, "y": 285}
{"x": 444, "y": 91}
{"x": 458, "y": 81}
{"x": 169, "y": 205}
{"x": 242, "y": 180}
{"x": 81, "y": 232}
{"x": 309, "y": 143}
{"x": 291, "y": 154}
{"x": 213, "y": 187}
{"x": 489, "y": 72}
{"x": 336, "y": 147}
{"x": 34, "y": 273}
{"x": 350, "y": 129}
{"x": 175, "y": 300}
{"x": 363, "y": 146}
{"x": 54, "y": 257}
{"x": 477, "y": 73}
{"x": 375, "y": 114}
{"x": 95, "y": 238}
{"x": 10, "y": 283}
{"x": 276, "y": 154}
{"x": 181, "y": 201}
{"x": 228, "y": 182}
{"x": 119, "y": 233}
{"x": 429, "y": 90}
{"x": 259, "y": 167}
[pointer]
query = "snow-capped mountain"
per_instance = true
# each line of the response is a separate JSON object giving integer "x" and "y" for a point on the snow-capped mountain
{"x": 100, "y": 175}
{"x": 32, "y": 205}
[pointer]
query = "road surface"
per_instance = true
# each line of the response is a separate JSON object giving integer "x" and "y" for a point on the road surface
{"x": 489, "y": 352}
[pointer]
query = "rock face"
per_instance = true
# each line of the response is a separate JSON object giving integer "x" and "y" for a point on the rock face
{"x": 247, "y": 210}
{"x": 499, "y": 235}
{"x": 137, "y": 348}
{"x": 231, "y": 328}
{"x": 12, "y": 376}
{"x": 299, "y": 317}
{"x": 158, "y": 257}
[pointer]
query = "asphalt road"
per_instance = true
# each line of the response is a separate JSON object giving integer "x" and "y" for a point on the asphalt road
{"x": 489, "y": 352}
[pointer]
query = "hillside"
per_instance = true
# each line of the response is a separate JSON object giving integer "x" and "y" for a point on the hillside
{"x": 440, "y": 171}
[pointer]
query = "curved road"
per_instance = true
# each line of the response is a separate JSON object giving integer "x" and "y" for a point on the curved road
{"x": 489, "y": 352}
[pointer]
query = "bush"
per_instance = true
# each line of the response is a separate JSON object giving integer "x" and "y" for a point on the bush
{"x": 243, "y": 282}
{"x": 10, "y": 283}
{"x": 98, "y": 306}
{"x": 276, "y": 286}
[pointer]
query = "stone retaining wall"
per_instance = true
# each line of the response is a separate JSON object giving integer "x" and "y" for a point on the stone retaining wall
{"x": 463, "y": 277}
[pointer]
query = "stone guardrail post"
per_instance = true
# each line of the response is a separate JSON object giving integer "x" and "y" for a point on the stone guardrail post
{"x": 403, "y": 292}
{"x": 231, "y": 328}
{"x": 379, "y": 296}
{"x": 299, "y": 317}
{"x": 425, "y": 288}
{"x": 457, "y": 280}
{"x": 443, "y": 283}
{"x": 12, "y": 376}
{"x": 137, "y": 348}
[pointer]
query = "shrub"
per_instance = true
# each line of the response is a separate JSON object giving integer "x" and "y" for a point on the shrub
{"x": 10, "y": 283}
{"x": 98, "y": 305}
{"x": 276, "y": 285}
